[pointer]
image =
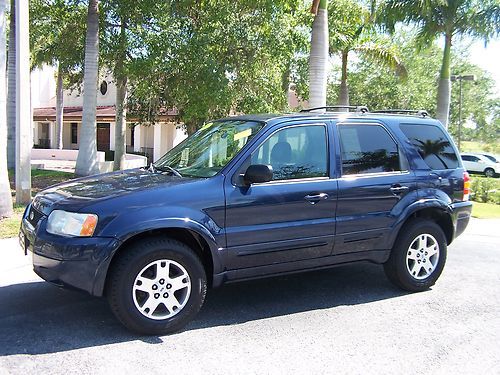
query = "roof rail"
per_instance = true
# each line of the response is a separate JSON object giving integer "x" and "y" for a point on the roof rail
{"x": 359, "y": 108}
{"x": 419, "y": 112}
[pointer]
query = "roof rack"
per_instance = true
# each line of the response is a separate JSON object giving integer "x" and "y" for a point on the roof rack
{"x": 359, "y": 108}
{"x": 419, "y": 112}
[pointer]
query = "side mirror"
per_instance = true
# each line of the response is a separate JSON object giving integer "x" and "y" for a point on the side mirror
{"x": 258, "y": 173}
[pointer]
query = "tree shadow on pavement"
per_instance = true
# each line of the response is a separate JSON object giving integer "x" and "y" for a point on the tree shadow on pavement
{"x": 38, "y": 318}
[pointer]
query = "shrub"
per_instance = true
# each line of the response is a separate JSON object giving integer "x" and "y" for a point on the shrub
{"x": 484, "y": 190}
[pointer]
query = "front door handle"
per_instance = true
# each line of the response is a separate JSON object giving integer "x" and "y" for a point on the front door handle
{"x": 397, "y": 189}
{"x": 315, "y": 198}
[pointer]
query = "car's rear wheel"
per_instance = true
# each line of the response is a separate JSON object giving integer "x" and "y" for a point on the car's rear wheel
{"x": 489, "y": 172}
{"x": 157, "y": 286}
{"x": 418, "y": 256}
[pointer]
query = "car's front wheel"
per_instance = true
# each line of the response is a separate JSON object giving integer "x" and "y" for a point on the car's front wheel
{"x": 156, "y": 286}
{"x": 418, "y": 256}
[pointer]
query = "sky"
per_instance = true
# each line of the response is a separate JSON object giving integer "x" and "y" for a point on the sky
{"x": 487, "y": 58}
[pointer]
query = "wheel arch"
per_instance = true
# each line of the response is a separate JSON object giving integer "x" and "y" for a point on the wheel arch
{"x": 196, "y": 241}
{"x": 435, "y": 211}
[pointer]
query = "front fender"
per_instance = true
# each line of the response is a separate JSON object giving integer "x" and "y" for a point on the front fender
{"x": 133, "y": 223}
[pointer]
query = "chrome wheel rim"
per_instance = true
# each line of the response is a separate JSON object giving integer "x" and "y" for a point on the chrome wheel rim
{"x": 422, "y": 256}
{"x": 161, "y": 289}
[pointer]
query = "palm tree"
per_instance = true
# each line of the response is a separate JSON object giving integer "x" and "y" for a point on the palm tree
{"x": 86, "y": 162}
{"x": 318, "y": 59}
{"x": 11, "y": 89}
{"x": 447, "y": 18}
{"x": 56, "y": 39}
{"x": 5, "y": 197}
{"x": 121, "y": 99}
{"x": 352, "y": 30}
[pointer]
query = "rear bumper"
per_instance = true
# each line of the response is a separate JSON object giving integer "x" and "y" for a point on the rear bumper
{"x": 460, "y": 214}
{"x": 75, "y": 262}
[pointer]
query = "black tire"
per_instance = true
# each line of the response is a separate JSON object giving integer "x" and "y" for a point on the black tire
{"x": 122, "y": 297}
{"x": 397, "y": 268}
{"x": 489, "y": 172}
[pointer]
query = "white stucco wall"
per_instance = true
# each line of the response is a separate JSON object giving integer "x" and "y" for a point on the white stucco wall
{"x": 43, "y": 87}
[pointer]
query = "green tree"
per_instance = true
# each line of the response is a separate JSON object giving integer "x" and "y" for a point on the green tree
{"x": 380, "y": 88}
{"x": 210, "y": 59}
{"x": 57, "y": 39}
{"x": 447, "y": 18}
{"x": 352, "y": 29}
{"x": 126, "y": 25}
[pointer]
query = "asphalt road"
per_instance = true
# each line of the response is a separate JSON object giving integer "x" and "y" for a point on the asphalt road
{"x": 349, "y": 319}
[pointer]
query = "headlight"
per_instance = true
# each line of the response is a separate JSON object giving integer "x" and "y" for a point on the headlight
{"x": 71, "y": 224}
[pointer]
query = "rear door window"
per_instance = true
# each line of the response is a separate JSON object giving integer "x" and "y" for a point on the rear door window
{"x": 368, "y": 149}
{"x": 432, "y": 144}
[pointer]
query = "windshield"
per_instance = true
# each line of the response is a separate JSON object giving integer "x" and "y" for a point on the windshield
{"x": 207, "y": 151}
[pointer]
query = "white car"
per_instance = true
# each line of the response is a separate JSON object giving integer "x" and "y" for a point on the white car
{"x": 480, "y": 163}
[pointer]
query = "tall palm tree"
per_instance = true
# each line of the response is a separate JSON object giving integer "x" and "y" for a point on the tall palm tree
{"x": 11, "y": 89}
{"x": 447, "y": 18}
{"x": 86, "y": 162}
{"x": 318, "y": 59}
{"x": 121, "y": 99}
{"x": 5, "y": 197}
{"x": 352, "y": 30}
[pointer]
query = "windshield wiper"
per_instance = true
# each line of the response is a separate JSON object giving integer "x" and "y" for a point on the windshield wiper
{"x": 165, "y": 168}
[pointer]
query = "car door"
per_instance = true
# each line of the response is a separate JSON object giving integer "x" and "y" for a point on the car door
{"x": 374, "y": 179}
{"x": 471, "y": 163}
{"x": 292, "y": 217}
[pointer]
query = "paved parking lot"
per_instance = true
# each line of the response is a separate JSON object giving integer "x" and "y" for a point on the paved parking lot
{"x": 349, "y": 319}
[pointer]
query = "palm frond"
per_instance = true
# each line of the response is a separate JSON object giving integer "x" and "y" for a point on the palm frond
{"x": 386, "y": 56}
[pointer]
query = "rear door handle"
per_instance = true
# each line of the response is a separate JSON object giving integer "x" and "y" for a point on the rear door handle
{"x": 399, "y": 189}
{"x": 315, "y": 198}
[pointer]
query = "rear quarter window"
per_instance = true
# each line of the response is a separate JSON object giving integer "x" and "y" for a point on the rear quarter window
{"x": 432, "y": 144}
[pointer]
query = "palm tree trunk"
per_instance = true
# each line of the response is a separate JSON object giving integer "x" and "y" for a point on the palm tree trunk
{"x": 444, "y": 88}
{"x": 121, "y": 102}
{"x": 59, "y": 108}
{"x": 344, "y": 89}
{"x": 318, "y": 59}
{"x": 86, "y": 162}
{"x": 5, "y": 196}
{"x": 11, "y": 93}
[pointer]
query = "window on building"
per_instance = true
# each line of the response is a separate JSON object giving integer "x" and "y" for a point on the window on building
{"x": 295, "y": 152}
{"x": 74, "y": 133}
{"x": 432, "y": 145}
{"x": 368, "y": 149}
{"x": 103, "y": 88}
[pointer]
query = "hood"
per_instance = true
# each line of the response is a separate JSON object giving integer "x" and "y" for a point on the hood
{"x": 81, "y": 192}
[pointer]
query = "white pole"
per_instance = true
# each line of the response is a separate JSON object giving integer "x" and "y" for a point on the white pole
{"x": 23, "y": 105}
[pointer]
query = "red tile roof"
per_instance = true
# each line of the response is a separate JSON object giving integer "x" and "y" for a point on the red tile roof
{"x": 103, "y": 113}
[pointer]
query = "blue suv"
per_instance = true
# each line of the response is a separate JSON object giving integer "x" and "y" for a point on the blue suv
{"x": 255, "y": 196}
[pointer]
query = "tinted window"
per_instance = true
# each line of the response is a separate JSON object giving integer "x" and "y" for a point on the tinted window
{"x": 469, "y": 158}
{"x": 432, "y": 145}
{"x": 492, "y": 158}
{"x": 297, "y": 152}
{"x": 367, "y": 149}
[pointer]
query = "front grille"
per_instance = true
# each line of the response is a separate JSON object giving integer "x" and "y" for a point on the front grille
{"x": 33, "y": 216}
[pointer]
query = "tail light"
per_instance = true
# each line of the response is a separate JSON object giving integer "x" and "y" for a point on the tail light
{"x": 466, "y": 186}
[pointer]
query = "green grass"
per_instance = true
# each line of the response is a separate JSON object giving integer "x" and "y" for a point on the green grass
{"x": 9, "y": 227}
{"x": 40, "y": 180}
{"x": 473, "y": 146}
{"x": 486, "y": 210}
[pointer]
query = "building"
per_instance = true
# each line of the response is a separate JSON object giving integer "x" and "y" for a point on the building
{"x": 151, "y": 140}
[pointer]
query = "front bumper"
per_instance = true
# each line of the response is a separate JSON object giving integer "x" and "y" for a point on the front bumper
{"x": 76, "y": 262}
